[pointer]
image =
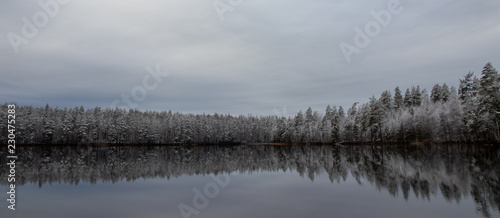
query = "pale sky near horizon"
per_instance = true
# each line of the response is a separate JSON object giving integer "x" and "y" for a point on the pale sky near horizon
{"x": 263, "y": 56}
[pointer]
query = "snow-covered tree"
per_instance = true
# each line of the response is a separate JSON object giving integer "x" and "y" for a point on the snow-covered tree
{"x": 472, "y": 114}
{"x": 398, "y": 98}
{"x": 408, "y": 99}
{"x": 489, "y": 108}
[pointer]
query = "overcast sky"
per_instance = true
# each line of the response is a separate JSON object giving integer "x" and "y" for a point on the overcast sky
{"x": 263, "y": 56}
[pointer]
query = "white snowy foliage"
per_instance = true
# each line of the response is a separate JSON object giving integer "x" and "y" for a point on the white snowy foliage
{"x": 472, "y": 114}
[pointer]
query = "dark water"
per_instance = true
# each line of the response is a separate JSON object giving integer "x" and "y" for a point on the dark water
{"x": 255, "y": 181}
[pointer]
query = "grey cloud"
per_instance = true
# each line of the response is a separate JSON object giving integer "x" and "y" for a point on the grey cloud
{"x": 264, "y": 56}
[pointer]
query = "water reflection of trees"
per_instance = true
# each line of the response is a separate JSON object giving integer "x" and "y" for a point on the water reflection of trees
{"x": 454, "y": 171}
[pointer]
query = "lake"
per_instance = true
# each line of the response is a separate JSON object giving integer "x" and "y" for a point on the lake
{"x": 255, "y": 181}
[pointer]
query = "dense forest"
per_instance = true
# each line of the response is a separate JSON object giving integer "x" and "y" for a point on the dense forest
{"x": 469, "y": 114}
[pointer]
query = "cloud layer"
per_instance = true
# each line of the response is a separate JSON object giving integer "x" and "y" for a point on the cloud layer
{"x": 263, "y": 56}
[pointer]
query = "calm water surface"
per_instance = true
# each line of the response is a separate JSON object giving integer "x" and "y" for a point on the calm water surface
{"x": 256, "y": 181}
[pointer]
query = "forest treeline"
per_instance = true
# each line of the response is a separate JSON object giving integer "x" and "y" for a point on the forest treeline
{"x": 469, "y": 114}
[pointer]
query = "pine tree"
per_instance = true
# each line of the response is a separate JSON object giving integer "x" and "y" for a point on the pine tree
{"x": 468, "y": 89}
{"x": 326, "y": 124}
{"x": 416, "y": 96}
{"x": 335, "y": 133}
{"x": 469, "y": 98}
{"x": 489, "y": 108}
{"x": 67, "y": 126}
{"x": 436, "y": 93}
{"x": 309, "y": 125}
{"x": 376, "y": 113}
{"x": 398, "y": 98}
{"x": 450, "y": 124}
{"x": 299, "y": 127}
{"x": 328, "y": 114}
{"x": 386, "y": 100}
{"x": 355, "y": 132}
{"x": 327, "y": 117}
{"x": 365, "y": 119}
{"x": 445, "y": 93}
{"x": 48, "y": 128}
{"x": 407, "y": 99}
{"x": 309, "y": 116}
{"x": 353, "y": 110}
{"x": 341, "y": 113}
{"x": 335, "y": 122}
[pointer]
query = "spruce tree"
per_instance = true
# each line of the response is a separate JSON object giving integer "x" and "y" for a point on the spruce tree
{"x": 445, "y": 93}
{"x": 407, "y": 99}
{"x": 416, "y": 96}
{"x": 398, "y": 98}
{"x": 489, "y": 108}
{"x": 436, "y": 93}
{"x": 386, "y": 100}
{"x": 467, "y": 89}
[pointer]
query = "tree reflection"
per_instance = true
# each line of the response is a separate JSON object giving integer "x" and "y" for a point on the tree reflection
{"x": 454, "y": 171}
